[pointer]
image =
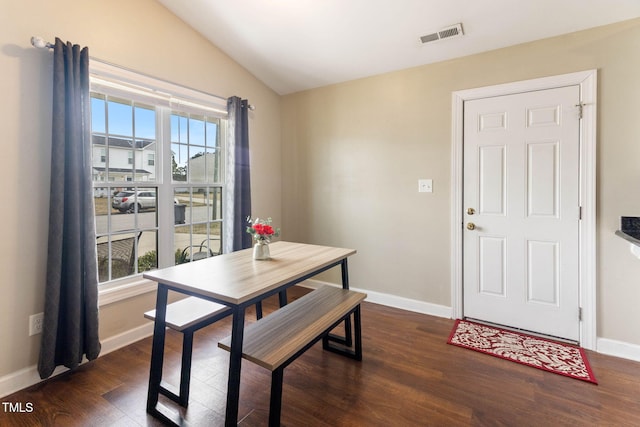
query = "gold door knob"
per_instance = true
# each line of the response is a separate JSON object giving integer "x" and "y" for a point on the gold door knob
{"x": 471, "y": 226}
{"x": 471, "y": 211}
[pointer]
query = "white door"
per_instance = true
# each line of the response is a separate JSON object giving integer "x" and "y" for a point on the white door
{"x": 521, "y": 192}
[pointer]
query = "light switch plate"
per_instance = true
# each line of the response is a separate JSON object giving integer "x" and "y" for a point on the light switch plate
{"x": 425, "y": 185}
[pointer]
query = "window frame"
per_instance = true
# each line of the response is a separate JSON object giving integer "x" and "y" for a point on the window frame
{"x": 167, "y": 98}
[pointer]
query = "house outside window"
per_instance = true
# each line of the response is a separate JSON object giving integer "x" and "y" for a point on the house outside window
{"x": 152, "y": 214}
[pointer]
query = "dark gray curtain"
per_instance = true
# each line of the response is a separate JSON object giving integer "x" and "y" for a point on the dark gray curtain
{"x": 241, "y": 181}
{"x": 70, "y": 327}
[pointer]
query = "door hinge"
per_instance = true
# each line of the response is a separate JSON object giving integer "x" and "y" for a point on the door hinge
{"x": 580, "y": 213}
{"x": 580, "y": 314}
{"x": 580, "y": 108}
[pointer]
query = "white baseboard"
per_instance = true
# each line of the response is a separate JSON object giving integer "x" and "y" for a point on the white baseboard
{"x": 392, "y": 300}
{"x": 124, "y": 339}
{"x": 618, "y": 349}
{"x": 29, "y": 376}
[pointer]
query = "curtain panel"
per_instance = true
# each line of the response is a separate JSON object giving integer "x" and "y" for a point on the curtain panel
{"x": 70, "y": 326}
{"x": 238, "y": 180}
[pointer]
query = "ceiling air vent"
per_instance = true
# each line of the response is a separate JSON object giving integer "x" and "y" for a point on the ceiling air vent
{"x": 444, "y": 33}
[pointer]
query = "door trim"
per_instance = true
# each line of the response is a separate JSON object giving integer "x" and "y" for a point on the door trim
{"x": 587, "y": 80}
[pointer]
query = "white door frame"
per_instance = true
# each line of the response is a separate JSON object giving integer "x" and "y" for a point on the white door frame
{"x": 587, "y": 80}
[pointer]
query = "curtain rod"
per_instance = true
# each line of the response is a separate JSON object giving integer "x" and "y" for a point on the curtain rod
{"x": 41, "y": 43}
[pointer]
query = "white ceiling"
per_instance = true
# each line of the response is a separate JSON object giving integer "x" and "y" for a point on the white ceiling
{"x": 293, "y": 45}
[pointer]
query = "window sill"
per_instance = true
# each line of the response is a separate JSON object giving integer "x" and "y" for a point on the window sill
{"x": 115, "y": 291}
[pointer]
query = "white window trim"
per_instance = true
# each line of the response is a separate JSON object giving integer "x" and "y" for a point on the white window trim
{"x": 118, "y": 290}
{"x": 115, "y": 80}
{"x": 142, "y": 88}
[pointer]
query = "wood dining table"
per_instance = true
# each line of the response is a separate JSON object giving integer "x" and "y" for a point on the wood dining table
{"x": 237, "y": 281}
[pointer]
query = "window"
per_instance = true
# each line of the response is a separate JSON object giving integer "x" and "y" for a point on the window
{"x": 154, "y": 214}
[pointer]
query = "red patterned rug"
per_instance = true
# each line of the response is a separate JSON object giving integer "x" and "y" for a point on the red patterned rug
{"x": 552, "y": 356}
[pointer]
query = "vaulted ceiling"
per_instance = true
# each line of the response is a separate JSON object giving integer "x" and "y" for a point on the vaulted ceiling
{"x": 293, "y": 45}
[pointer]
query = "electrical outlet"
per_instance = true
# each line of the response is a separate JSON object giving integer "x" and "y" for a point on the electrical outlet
{"x": 35, "y": 324}
{"x": 425, "y": 185}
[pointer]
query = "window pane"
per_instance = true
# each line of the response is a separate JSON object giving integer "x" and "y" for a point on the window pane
{"x": 212, "y": 134}
{"x": 116, "y": 256}
{"x": 145, "y": 144}
{"x": 182, "y": 244}
{"x": 145, "y": 123}
{"x": 198, "y": 165}
{"x": 199, "y": 233}
{"x": 101, "y": 209}
{"x": 179, "y": 128}
{"x": 196, "y": 131}
{"x": 120, "y": 118}
{"x": 134, "y": 209}
{"x": 121, "y": 202}
{"x": 183, "y": 198}
{"x": 215, "y": 237}
{"x": 215, "y": 203}
{"x": 98, "y": 106}
{"x": 213, "y": 166}
{"x": 199, "y": 205}
{"x": 179, "y": 156}
{"x": 148, "y": 251}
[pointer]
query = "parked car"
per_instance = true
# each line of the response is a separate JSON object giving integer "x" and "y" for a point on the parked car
{"x": 127, "y": 201}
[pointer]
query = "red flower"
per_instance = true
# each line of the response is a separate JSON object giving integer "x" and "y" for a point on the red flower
{"x": 261, "y": 230}
{"x": 268, "y": 230}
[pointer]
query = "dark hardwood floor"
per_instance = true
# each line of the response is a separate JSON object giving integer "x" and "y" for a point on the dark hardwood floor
{"x": 409, "y": 377}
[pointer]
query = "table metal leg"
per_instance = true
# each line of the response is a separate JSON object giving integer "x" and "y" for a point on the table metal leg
{"x": 259, "y": 310}
{"x": 345, "y": 274}
{"x": 235, "y": 364}
{"x": 157, "y": 349}
{"x": 282, "y": 298}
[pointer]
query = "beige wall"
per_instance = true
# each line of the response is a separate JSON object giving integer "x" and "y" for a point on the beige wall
{"x": 141, "y": 35}
{"x": 353, "y": 153}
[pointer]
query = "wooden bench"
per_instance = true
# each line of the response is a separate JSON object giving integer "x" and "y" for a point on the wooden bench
{"x": 276, "y": 340}
{"x": 187, "y": 316}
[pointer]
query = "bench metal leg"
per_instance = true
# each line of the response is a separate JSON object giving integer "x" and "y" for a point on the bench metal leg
{"x": 277, "y": 376}
{"x": 357, "y": 319}
{"x": 346, "y": 340}
{"x": 344, "y": 348}
{"x": 275, "y": 405}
